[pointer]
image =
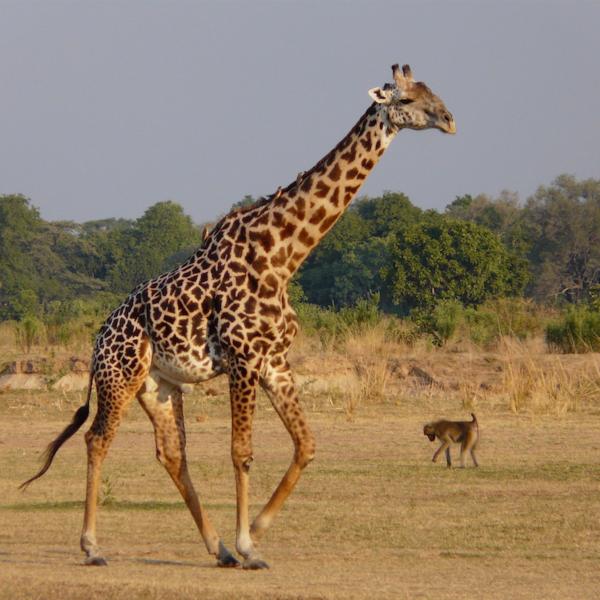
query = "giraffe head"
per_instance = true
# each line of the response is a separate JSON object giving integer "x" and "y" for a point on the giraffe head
{"x": 411, "y": 104}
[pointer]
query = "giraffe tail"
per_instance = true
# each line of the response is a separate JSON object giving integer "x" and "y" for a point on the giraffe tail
{"x": 78, "y": 420}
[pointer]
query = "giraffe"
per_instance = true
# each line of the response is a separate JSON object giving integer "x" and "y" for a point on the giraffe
{"x": 226, "y": 311}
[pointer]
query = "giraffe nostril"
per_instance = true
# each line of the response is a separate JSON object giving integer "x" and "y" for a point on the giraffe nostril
{"x": 447, "y": 117}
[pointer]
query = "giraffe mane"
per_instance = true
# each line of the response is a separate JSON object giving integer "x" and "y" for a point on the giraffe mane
{"x": 256, "y": 204}
{"x": 329, "y": 156}
{"x": 298, "y": 181}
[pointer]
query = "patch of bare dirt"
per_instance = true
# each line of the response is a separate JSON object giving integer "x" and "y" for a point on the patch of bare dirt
{"x": 22, "y": 381}
{"x": 40, "y": 373}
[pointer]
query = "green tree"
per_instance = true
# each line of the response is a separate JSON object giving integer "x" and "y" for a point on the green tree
{"x": 247, "y": 200}
{"x": 322, "y": 277}
{"x": 460, "y": 207}
{"x": 24, "y": 303}
{"x": 502, "y": 215}
{"x": 351, "y": 274}
{"x": 20, "y": 224}
{"x": 145, "y": 250}
{"x": 446, "y": 259}
{"x": 352, "y": 262}
{"x": 563, "y": 227}
{"x": 387, "y": 213}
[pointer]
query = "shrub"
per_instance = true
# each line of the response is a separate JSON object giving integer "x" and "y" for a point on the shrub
{"x": 484, "y": 325}
{"x": 324, "y": 323}
{"x": 77, "y": 321}
{"x": 332, "y": 326}
{"x": 512, "y": 317}
{"x": 442, "y": 321}
{"x": 365, "y": 313}
{"x": 29, "y": 331}
{"x": 577, "y": 331}
{"x": 401, "y": 331}
{"x": 446, "y": 318}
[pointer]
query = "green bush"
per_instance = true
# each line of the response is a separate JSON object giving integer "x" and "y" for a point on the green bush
{"x": 484, "y": 325}
{"x": 29, "y": 331}
{"x": 442, "y": 321}
{"x": 332, "y": 325}
{"x": 576, "y": 332}
{"x": 365, "y": 313}
{"x": 481, "y": 326}
{"x": 402, "y": 331}
{"x": 67, "y": 321}
{"x": 514, "y": 317}
{"x": 446, "y": 318}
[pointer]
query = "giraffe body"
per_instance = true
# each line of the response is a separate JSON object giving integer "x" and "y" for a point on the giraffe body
{"x": 226, "y": 310}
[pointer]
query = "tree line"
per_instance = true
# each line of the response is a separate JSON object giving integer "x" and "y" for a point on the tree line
{"x": 547, "y": 249}
{"x": 384, "y": 248}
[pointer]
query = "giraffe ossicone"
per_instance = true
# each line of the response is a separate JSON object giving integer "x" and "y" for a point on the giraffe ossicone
{"x": 226, "y": 311}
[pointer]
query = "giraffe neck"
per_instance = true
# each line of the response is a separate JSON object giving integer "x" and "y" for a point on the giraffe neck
{"x": 308, "y": 208}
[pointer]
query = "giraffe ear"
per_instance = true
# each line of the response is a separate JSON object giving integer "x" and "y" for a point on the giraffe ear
{"x": 380, "y": 95}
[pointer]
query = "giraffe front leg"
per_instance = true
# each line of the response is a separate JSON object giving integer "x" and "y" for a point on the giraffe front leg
{"x": 243, "y": 399}
{"x": 164, "y": 406}
{"x": 279, "y": 385}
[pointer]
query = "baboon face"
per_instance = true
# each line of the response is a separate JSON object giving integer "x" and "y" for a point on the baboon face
{"x": 429, "y": 432}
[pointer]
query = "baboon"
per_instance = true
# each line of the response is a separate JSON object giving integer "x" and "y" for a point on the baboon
{"x": 465, "y": 432}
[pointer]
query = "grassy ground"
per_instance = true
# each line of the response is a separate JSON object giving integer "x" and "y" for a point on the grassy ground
{"x": 371, "y": 518}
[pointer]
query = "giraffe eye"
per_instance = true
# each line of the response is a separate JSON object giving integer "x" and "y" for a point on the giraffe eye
{"x": 406, "y": 100}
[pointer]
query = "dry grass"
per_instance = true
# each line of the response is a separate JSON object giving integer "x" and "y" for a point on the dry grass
{"x": 372, "y": 517}
{"x": 8, "y": 342}
{"x": 546, "y": 383}
{"x": 12, "y": 345}
{"x": 370, "y": 369}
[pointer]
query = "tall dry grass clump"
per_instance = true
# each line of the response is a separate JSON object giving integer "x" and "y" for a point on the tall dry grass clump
{"x": 29, "y": 331}
{"x": 372, "y": 351}
{"x": 352, "y": 373}
{"x": 7, "y": 336}
{"x": 541, "y": 382}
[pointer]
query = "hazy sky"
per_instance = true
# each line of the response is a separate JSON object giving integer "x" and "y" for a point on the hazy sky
{"x": 109, "y": 107}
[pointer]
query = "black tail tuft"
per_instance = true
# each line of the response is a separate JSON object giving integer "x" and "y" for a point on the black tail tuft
{"x": 79, "y": 419}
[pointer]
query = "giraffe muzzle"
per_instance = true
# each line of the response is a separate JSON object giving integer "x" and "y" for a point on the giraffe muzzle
{"x": 447, "y": 124}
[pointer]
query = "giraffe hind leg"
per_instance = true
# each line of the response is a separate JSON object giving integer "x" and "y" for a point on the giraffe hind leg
{"x": 113, "y": 398}
{"x": 163, "y": 403}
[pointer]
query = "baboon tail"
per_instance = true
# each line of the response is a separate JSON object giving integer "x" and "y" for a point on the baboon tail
{"x": 79, "y": 419}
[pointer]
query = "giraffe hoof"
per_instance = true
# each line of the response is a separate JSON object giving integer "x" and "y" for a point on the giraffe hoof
{"x": 228, "y": 562}
{"x": 225, "y": 558}
{"x": 254, "y": 564}
{"x": 96, "y": 561}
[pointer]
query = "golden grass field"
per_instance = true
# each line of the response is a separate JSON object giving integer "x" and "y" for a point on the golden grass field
{"x": 372, "y": 517}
